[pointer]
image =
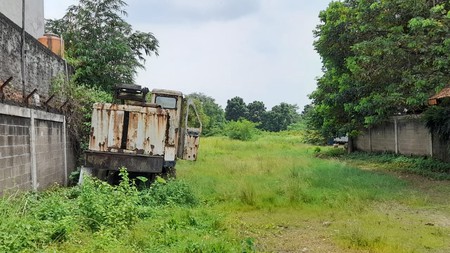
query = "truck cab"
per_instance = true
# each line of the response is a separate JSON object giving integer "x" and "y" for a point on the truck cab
{"x": 143, "y": 136}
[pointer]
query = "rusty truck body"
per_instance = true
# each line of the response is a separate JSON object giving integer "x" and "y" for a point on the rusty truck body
{"x": 143, "y": 136}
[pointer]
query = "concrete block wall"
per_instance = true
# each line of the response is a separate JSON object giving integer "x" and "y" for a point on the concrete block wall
{"x": 413, "y": 137}
{"x": 32, "y": 153}
{"x": 441, "y": 148}
{"x": 49, "y": 158}
{"x": 362, "y": 142}
{"x": 406, "y": 135}
{"x": 15, "y": 162}
{"x": 383, "y": 137}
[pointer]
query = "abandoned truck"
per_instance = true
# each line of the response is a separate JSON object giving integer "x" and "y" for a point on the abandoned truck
{"x": 144, "y": 137}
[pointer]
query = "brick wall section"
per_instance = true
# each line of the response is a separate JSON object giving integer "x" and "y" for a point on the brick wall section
{"x": 49, "y": 156}
{"x": 413, "y": 137}
{"x": 362, "y": 142}
{"x": 15, "y": 166}
{"x": 441, "y": 149}
{"x": 42, "y": 65}
{"x": 383, "y": 137}
{"x": 16, "y": 149}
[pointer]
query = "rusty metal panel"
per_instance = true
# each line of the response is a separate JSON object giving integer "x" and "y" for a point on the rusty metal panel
{"x": 146, "y": 134}
{"x": 155, "y": 129}
{"x": 133, "y": 162}
{"x": 147, "y": 131}
{"x": 170, "y": 153}
{"x": 115, "y": 129}
{"x": 174, "y": 123}
{"x": 99, "y": 128}
{"x": 191, "y": 143}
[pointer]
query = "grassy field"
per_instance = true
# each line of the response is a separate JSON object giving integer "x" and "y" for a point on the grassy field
{"x": 273, "y": 194}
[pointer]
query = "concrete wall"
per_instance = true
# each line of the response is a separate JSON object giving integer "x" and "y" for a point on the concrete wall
{"x": 15, "y": 161}
{"x": 383, "y": 137}
{"x": 413, "y": 137}
{"x": 34, "y": 15}
{"x": 41, "y": 65}
{"x": 34, "y": 150}
{"x": 406, "y": 135}
{"x": 441, "y": 149}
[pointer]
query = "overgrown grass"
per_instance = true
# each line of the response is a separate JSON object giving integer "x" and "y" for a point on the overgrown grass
{"x": 272, "y": 194}
{"x": 424, "y": 166}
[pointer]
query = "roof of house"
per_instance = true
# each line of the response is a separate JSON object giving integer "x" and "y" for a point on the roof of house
{"x": 444, "y": 93}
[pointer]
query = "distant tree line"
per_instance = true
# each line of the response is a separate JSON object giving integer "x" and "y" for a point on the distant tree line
{"x": 214, "y": 117}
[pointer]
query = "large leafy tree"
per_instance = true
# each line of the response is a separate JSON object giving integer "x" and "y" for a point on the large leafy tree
{"x": 380, "y": 58}
{"x": 236, "y": 109}
{"x": 280, "y": 117}
{"x": 100, "y": 44}
{"x": 256, "y": 110}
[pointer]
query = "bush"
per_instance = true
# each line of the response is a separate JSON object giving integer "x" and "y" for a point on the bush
{"x": 171, "y": 192}
{"x": 313, "y": 137}
{"x": 243, "y": 130}
{"x": 102, "y": 205}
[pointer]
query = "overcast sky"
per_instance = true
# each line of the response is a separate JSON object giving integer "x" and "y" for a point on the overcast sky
{"x": 255, "y": 49}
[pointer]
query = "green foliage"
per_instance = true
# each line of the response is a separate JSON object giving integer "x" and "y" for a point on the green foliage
{"x": 313, "y": 137}
{"x": 256, "y": 111}
{"x": 380, "y": 59}
{"x": 236, "y": 109}
{"x": 240, "y": 197}
{"x": 243, "y": 130}
{"x": 424, "y": 166}
{"x": 280, "y": 117}
{"x": 103, "y": 206}
{"x": 78, "y": 111}
{"x": 100, "y": 44}
{"x": 437, "y": 120}
{"x": 171, "y": 192}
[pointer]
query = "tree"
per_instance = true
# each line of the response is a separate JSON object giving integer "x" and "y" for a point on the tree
{"x": 280, "y": 117}
{"x": 100, "y": 44}
{"x": 256, "y": 111}
{"x": 213, "y": 118}
{"x": 236, "y": 109}
{"x": 380, "y": 58}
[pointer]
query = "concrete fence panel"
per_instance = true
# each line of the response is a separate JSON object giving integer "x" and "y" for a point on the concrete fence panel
{"x": 34, "y": 149}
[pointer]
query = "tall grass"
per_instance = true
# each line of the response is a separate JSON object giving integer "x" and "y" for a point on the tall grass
{"x": 272, "y": 194}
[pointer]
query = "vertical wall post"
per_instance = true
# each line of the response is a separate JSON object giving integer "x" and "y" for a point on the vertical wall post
{"x": 396, "y": 135}
{"x": 431, "y": 143}
{"x": 65, "y": 150}
{"x": 34, "y": 181}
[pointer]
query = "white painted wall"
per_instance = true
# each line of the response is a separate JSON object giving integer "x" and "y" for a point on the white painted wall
{"x": 34, "y": 14}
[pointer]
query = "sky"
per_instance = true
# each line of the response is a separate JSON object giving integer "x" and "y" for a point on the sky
{"x": 259, "y": 50}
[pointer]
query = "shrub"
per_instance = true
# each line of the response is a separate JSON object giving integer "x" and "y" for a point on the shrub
{"x": 171, "y": 192}
{"x": 313, "y": 137}
{"x": 102, "y": 205}
{"x": 243, "y": 130}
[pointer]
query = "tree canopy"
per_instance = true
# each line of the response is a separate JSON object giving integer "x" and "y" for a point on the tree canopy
{"x": 100, "y": 44}
{"x": 380, "y": 58}
{"x": 280, "y": 117}
{"x": 256, "y": 111}
{"x": 236, "y": 109}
